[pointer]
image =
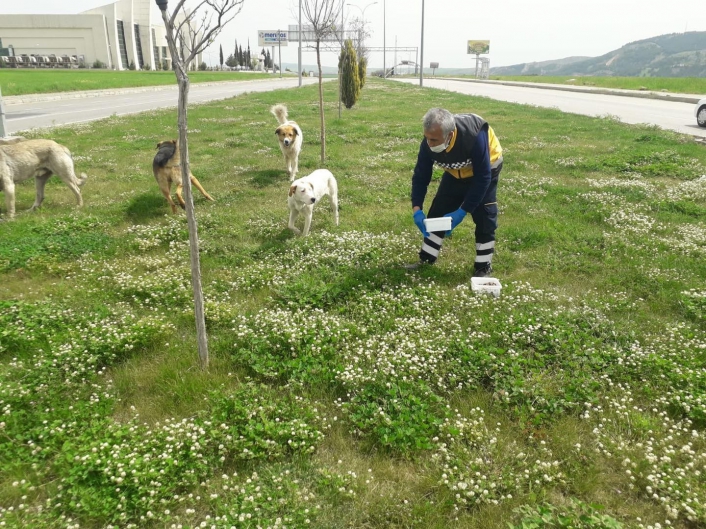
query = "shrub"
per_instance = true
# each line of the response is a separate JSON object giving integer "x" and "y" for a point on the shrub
{"x": 98, "y": 64}
{"x": 350, "y": 82}
{"x": 131, "y": 66}
{"x": 203, "y": 66}
{"x": 362, "y": 71}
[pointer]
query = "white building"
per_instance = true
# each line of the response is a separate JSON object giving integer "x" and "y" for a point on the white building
{"x": 117, "y": 34}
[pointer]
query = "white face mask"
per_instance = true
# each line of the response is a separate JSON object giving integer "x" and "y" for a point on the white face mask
{"x": 438, "y": 148}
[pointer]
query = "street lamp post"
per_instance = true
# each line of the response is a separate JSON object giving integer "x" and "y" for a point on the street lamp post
{"x": 362, "y": 14}
{"x": 299, "y": 52}
{"x": 384, "y": 54}
{"x": 421, "y": 55}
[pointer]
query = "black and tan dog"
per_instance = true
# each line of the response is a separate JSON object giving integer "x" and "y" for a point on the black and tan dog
{"x": 166, "y": 169}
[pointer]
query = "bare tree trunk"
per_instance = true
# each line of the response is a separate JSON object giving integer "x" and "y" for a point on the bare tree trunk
{"x": 183, "y": 82}
{"x": 193, "y": 227}
{"x": 321, "y": 103}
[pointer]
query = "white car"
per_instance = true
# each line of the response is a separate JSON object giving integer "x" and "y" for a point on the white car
{"x": 700, "y": 113}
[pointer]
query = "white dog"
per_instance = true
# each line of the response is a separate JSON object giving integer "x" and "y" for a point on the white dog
{"x": 307, "y": 191}
{"x": 290, "y": 139}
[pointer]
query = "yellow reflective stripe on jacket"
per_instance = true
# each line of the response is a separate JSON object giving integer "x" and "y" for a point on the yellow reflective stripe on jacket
{"x": 496, "y": 151}
{"x": 496, "y": 157}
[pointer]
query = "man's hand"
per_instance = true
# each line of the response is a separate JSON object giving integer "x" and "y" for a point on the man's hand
{"x": 419, "y": 217}
{"x": 456, "y": 218}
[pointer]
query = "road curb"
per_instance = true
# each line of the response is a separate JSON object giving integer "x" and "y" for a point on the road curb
{"x": 678, "y": 98}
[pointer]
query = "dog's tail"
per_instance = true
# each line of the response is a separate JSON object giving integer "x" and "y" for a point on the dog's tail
{"x": 84, "y": 176}
{"x": 280, "y": 112}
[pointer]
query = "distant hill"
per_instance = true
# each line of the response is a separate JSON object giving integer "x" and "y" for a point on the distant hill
{"x": 673, "y": 55}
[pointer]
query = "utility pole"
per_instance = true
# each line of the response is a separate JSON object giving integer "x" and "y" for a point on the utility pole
{"x": 421, "y": 54}
{"x": 300, "y": 43}
{"x": 279, "y": 42}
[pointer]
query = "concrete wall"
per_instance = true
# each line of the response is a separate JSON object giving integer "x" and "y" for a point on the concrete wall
{"x": 142, "y": 12}
{"x": 58, "y": 34}
{"x": 125, "y": 13}
{"x": 93, "y": 34}
{"x": 110, "y": 14}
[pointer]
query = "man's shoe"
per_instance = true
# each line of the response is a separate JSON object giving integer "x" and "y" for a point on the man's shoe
{"x": 486, "y": 271}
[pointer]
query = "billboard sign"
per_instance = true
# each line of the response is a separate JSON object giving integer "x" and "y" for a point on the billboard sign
{"x": 272, "y": 38}
{"x": 478, "y": 47}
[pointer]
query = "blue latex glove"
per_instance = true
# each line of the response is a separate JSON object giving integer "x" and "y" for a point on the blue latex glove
{"x": 456, "y": 218}
{"x": 419, "y": 217}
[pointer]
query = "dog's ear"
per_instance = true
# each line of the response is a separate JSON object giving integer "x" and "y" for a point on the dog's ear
{"x": 311, "y": 185}
{"x": 277, "y": 130}
{"x": 295, "y": 131}
{"x": 292, "y": 190}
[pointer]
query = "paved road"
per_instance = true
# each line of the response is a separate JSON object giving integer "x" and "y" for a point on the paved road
{"x": 29, "y": 112}
{"x": 671, "y": 115}
{"x": 22, "y": 113}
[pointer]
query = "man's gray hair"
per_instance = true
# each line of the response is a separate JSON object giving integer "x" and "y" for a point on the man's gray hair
{"x": 441, "y": 117}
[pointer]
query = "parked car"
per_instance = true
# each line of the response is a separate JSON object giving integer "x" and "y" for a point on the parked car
{"x": 700, "y": 113}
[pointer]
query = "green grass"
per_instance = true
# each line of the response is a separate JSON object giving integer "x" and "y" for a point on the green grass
{"x": 679, "y": 85}
{"x": 344, "y": 391}
{"x": 15, "y": 81}
{"x": 20, "y": 81}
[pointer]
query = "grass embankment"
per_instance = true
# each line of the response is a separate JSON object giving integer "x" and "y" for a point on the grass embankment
{"x": 677, "y": 85}
{"x": 344, "y": 391}
{"x": 15, "y": 81}
{"x": 25, "y": 81}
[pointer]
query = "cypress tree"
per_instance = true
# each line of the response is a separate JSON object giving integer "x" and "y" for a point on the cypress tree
{"x": 350, "y": 81}
{"x": 362, "y": 71}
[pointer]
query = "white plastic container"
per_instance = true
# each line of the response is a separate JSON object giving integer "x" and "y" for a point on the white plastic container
{"x": 486, "y": 285}
{"x": 438, "y": 224}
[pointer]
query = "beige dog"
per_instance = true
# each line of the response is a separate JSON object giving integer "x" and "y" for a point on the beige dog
{"x": 11, "y": 139}
{"x": 167, "y": 169}
{"x": 290, "y": 139}
{"x": 39, "y": 159}
{"x": 307, "y": 191}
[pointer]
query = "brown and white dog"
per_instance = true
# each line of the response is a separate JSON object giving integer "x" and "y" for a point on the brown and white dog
{"x": 167, "y": 169}
{"x": 307, "y": 191}
{"x": 38, "y": 159}
{"x": 290, "y": 139}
